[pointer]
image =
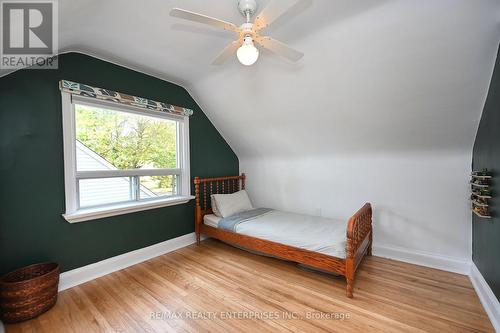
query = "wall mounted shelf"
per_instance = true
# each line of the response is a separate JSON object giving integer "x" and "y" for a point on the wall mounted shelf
{"x": 481, "y": 196}
{"x": 481, "y": 177}
{"x": 477, "y": 203}
{"x": 480, "y": 193}
{"x": 483, "y": 216}
{"x": 480, "y": 185}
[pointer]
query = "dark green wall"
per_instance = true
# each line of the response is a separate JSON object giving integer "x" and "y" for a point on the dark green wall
{"x": 31, "y": 168}
{"x": 486, "y": 232}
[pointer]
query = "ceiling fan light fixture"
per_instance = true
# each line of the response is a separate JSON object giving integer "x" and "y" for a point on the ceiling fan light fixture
{"x": 250, "y": 30}
{"x": 247, "y": 53}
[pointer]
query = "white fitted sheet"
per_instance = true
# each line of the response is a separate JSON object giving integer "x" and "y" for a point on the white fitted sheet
{"x": 318, "y": 234}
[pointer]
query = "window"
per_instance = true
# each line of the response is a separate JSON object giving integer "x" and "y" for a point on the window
{"x": 119, "y": 158}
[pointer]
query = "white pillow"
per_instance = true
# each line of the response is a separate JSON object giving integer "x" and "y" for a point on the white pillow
{"x": 234, "y": 203}
{"x": 214, "y": 206}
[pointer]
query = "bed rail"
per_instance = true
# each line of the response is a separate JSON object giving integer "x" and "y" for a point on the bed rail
{"x": 204, "y": 187}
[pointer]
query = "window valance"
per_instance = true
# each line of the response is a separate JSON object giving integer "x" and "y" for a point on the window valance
{"x": 105, "y": 94}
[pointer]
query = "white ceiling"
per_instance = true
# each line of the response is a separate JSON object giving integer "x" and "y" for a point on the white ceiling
{"x": 384, "y": 75}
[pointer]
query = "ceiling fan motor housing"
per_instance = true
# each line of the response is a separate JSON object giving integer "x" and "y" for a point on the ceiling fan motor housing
{"x": 247, "y": 6}
{"x": 246, "y": 28}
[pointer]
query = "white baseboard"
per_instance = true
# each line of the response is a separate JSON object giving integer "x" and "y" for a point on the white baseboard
{"x": 450, "y": 264}
{"x": 86, "y": 273}
{"x": 488, "y": 299}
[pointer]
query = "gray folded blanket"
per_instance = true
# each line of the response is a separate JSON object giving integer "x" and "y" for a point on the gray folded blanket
{"x": 231, "y": 222}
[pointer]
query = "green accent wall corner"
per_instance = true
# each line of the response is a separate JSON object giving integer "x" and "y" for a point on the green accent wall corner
{"x": 32, "y": 173}
{"x": 486, "y": 232}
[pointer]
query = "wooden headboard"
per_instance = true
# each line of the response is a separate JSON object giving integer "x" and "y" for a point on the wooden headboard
{"x": 204, "y": 187}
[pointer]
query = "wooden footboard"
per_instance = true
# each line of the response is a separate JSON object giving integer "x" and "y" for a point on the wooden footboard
{"x": 359, "y": 233}
{"x": 359, "y": 242}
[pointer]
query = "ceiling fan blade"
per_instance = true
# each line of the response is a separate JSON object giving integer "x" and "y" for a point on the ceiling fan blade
{"x": 195, "y": 17}
{"x": 272, "y": 12}
{"x": 279, "y": 48}
{"x": 227, "y": 52}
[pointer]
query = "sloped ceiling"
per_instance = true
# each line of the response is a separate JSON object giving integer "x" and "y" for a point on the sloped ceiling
{"x": 377, "y": 75}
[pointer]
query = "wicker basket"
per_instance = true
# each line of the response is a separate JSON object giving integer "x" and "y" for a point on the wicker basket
{"x": 28, "y": 292}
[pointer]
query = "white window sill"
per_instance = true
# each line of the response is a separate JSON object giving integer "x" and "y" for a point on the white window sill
{"x": 120, "y": 209}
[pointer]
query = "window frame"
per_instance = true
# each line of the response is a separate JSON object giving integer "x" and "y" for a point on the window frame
{"x": 72, "y": 176}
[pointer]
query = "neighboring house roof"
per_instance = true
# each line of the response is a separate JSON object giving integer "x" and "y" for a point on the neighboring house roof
{"x": 102, "y": 191}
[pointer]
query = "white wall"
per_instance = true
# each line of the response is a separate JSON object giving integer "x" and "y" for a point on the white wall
{"x": 420, "y": 201}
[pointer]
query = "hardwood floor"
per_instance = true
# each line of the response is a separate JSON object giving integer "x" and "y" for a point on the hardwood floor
{"x": 250, "y": 293}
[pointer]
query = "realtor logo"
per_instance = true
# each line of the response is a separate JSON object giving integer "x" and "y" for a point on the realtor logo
{"x": 29, "y": 34}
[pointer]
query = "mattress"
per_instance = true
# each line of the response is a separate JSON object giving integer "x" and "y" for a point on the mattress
{"x": 211, "y": 220}
{"x": 313, "y": 233}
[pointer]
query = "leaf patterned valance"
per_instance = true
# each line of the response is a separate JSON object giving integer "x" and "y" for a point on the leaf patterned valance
{"x": 110, "y": 95}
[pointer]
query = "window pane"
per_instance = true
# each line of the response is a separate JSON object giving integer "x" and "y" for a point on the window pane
{"x": 110, "y": 140}
{"x": 94, "y": 192}
{"x": 157, "y": 186}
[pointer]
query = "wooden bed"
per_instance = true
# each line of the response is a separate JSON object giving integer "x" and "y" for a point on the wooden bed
{"x": 358, "y": 242}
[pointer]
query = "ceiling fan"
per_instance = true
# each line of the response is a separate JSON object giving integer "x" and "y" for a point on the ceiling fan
{"x": 248, "y": 32}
